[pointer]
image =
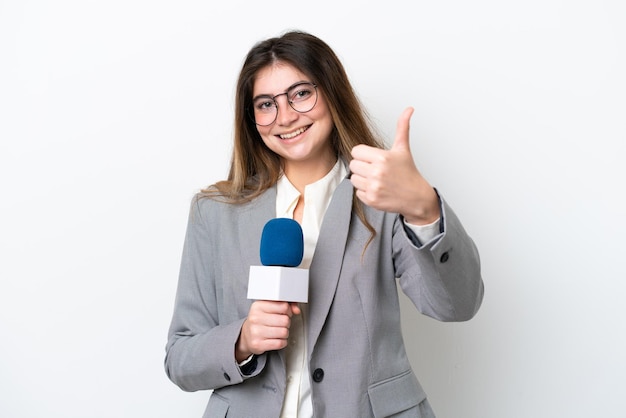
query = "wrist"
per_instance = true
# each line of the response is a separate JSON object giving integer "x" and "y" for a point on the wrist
{"x": 423, "y": 208}
{"x": 246, "y": 361}
{"x": 423, "y": 214}
{"x": 241, "y": 351}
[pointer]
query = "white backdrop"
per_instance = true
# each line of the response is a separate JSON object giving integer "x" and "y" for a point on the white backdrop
{"x": 112, "y": 114}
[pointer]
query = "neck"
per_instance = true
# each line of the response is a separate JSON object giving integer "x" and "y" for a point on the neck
{"x": 300, "y": 174}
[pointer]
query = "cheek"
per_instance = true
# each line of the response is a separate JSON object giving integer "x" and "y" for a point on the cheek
{"x": 327, "y": 124}
{"x": 323, "y": 115}
{"x": 262, "y": 130}
{"x": 265, "y": 135}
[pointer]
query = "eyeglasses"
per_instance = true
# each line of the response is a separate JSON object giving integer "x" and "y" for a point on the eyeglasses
{"x": 302, "y": 97}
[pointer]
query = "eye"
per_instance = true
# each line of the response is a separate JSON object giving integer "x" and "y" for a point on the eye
{"x": 301, "y": 93}
{"x": 264, "y": 104}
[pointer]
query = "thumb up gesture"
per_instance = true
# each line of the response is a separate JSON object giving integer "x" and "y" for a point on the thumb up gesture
{"x": 389, "y": 180}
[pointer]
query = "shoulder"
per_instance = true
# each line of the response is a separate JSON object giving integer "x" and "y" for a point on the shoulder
{"x": 207, "y": 206}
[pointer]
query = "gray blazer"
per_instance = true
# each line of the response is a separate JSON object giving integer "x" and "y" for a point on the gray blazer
{"x": 359, "y": 367}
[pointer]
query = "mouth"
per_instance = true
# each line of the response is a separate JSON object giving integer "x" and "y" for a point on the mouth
{"x": 294, "y": 133}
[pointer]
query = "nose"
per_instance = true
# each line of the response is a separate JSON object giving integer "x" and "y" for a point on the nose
{"x": 286, "y": 114}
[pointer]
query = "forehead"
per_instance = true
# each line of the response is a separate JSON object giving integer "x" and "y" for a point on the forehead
{"x": 276, "y": 78}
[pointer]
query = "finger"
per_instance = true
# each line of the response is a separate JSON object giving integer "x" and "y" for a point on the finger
{"x": 295, "y": 308}
{"x": 273, "y": 345}
{"x": 274, "y": 333}
{"x": 362, "y": 196}
{"x": 359, "y": 182}
{"x": 358, "y": 167}
{"x": 273, "y": 307}
{"x": 365, "y": 153}
{"x": 401, "y": 141}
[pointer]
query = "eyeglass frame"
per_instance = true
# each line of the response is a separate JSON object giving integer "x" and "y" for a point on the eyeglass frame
{"x": 285, "y": 93}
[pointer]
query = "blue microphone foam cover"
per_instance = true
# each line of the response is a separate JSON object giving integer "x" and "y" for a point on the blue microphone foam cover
{"x": 282, "y": 243}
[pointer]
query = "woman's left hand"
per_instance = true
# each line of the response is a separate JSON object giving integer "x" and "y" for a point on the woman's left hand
{"x": 389, "y": 180}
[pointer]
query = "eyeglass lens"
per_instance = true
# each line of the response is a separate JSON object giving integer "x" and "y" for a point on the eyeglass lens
{"x": 302, "y": 97}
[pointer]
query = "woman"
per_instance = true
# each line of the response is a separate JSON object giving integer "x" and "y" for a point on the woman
{"x": 304, "y": 150}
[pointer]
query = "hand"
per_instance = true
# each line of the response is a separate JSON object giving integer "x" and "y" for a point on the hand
{"x": 266, "y": 328}
{"x": 389, "y": 180}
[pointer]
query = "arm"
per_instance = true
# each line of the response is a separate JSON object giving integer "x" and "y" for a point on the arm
{"x": 442, "y": 277}
{"x": 200, "y": 349}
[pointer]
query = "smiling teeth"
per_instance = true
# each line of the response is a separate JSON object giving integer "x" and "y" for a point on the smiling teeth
{"x": 293, "y": 134}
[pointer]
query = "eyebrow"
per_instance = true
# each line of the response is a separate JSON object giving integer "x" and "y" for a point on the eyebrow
{"x": 258, "y": 96}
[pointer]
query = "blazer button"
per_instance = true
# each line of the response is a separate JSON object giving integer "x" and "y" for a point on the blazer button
{"x": 226, "y": 376}
{"x": 318, "y": 375}
{"x": 444, "y": 257}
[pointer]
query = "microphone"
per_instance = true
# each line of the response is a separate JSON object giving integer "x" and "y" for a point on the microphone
{"x": 282, "y": 247}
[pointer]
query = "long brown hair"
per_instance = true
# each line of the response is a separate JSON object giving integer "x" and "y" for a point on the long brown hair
{"x": 254, "y": 168}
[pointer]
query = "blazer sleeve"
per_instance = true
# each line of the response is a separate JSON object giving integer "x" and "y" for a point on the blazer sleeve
{"x": 442, "y": 277}
{"x": 200, "y": 349}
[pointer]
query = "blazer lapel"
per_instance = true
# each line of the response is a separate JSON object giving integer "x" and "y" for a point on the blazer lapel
{"x": 327, "y": 259}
